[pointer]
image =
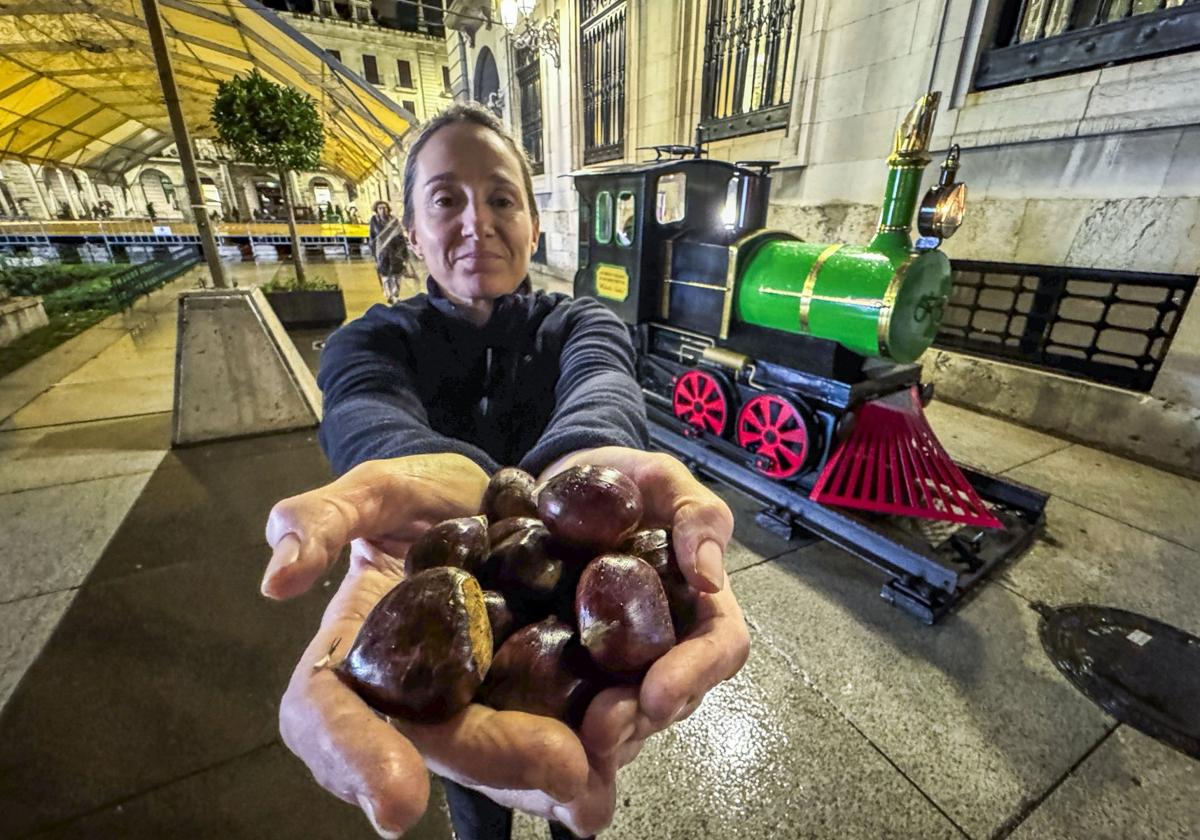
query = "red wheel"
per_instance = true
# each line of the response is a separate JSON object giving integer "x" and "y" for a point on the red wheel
{"x": 771, "y": 426}
{"x": 699, "y": 400}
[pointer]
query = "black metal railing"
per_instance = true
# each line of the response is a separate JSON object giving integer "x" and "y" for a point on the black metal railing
{"x": 144, "y": 278}
{"x": 1038, "y": 38}
{"x": 749, "y": 61}
{"x": 1113, "y": 327}
{"x": 529, "y": 81}
{"x": 602, "y": 76}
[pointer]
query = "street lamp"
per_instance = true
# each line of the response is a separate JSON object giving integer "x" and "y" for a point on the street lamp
{"x": 537, "y": 36}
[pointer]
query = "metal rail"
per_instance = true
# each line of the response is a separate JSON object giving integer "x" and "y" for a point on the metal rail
{"x": 924, "y": 581}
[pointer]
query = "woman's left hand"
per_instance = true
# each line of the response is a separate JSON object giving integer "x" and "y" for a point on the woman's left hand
{"x": 620, "y": 719}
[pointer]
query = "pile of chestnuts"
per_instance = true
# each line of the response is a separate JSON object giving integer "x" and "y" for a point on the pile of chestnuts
{"x": 550, "y": 595}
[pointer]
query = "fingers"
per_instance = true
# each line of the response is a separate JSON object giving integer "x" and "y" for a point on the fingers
{"x": 350, "y": 750}
{"x": 715, "y": 651}
{"x": 611, "y": 720}
{"x": 509, "y": 750}
{"x": 701, "y": 522}
{"x": 393, "y": 501}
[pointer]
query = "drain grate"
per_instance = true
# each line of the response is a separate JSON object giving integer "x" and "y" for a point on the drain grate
{"x": 1142, "y": 672}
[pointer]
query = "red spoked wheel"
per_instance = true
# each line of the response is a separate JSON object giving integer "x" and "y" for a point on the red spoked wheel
{"x": 772, "y": 426}
{"x": 699, "y": 399}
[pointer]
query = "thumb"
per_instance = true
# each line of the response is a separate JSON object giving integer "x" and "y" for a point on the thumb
{"x": 702, "y": 529}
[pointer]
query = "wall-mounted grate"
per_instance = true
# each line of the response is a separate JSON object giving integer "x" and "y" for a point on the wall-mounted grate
{"x": 1113, "y": 327}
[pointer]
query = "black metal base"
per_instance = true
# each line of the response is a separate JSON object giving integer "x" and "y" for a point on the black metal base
{"x": 928, "y": 578}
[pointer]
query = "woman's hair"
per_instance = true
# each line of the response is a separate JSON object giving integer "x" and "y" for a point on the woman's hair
{"x": 463, "y": 112}
{"x": 375, "y": 207}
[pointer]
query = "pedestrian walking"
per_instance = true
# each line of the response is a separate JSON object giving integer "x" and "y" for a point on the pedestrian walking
{"x": 389, "y": 245}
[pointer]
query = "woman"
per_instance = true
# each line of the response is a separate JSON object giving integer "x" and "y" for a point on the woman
{"x": 422, "y": 401}
{"x": 388, "y": 245}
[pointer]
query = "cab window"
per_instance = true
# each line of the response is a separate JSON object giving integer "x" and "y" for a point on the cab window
{"x": 604, "y": 217}
{"x": 626, "y": 219}
{"x": 670, "y": 203}
{"x": 729, "y": 214}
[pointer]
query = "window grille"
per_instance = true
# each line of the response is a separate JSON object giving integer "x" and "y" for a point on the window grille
{"x": 1038, "y": 38}
{"x": 602, "y": 75}
{"x": 1113, "y": 327}
{"x": 749, "y": 61}
{"x": 529, "y": 80}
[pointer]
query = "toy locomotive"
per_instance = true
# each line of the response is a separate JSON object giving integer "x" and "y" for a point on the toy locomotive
{"x": 784, "y": 368}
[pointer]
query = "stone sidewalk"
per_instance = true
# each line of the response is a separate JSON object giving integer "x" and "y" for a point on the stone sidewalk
{"x": 140, "y": 670}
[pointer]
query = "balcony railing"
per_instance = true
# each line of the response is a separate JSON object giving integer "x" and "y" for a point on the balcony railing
{"x": 1039, "y": 38}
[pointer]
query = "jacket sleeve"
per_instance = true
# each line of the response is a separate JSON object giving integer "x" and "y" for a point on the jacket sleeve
{"x": 598, "y": 401}
{"x": 371, "y": 407}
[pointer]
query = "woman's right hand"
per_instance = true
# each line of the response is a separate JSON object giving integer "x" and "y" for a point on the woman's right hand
{"x": 380, "y": 508}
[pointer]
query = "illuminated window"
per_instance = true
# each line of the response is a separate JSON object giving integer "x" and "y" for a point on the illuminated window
{"x": 670, "y": 204}
{"x": 626, "y": 219}
{"x": 604, "y": 217}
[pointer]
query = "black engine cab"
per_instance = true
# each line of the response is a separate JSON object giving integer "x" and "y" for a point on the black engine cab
{"x": 631, "y": 216}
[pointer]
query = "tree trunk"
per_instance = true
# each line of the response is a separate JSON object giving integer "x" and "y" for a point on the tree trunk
{"x": 297, "y": 252}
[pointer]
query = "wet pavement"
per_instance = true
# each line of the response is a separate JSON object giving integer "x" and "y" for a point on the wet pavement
{"x": 140, "y": 670}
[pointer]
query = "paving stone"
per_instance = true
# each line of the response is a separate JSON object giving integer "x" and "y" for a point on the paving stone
{"x": 214, "y": 500}
{"x": 1159, "y": 502}
{"x": 125, "y": 359}
{"x": 148, "y": 678}
{"x": 765, "y": 756}
{"x": 264, "y": 794}
{"x": 45, "y": 456}
{"x": 971, "y": 710}
{"x": 1131, "y": 788}
{"x": 25, "y": 625}
{"x": 1084, "y": 557}
{"x": 96, "y": 401}
{"x": 54, "y": 535}
{"x": 987, "y": 442}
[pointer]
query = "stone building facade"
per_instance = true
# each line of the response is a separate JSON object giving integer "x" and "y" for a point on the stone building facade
{"x": 1093, "y": 167}
{"x": 410, "y": 67}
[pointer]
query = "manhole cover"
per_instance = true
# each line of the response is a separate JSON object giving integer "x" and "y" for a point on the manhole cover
{"x": 1141, "y": 671}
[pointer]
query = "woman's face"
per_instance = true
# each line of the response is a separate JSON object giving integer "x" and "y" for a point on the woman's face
{"x": 383, "y": 211}
{"x": 472, "y": 223}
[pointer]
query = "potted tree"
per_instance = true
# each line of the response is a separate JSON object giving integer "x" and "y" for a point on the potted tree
{"x": 278, "y": 128}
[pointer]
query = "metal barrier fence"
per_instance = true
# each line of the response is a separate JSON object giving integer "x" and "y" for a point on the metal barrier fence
{"x": 1113, "y": 327}
{"x": 145, "y": 277}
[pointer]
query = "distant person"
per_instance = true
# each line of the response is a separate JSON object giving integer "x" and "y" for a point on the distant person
{"x": 389, "y": 245}
{"x": 150, "y": 211}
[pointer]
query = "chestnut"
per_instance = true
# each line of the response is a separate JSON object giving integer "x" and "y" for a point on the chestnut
{"x": 623, "y": 615}
{"x": 500, "y": 616}
{"x": 498, "y": 532}
{"x": 456, "y": 542}
{"x": 592, "y": 507}
{"x": 525, "y": 566}
{"x": 541, "y": 670}
{"x": 423, "y": 651}
{"x": 509, "y": 494}
{"x": 654, "y": 545}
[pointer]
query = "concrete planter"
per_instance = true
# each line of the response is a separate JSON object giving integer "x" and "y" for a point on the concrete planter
{"x": 20, "y": 315}
{"x": 308, "y": 308}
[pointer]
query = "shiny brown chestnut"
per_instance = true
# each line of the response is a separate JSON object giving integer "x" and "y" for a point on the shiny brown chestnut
{"x": 423, "y": 651}
{"x": 541, "y": 670}
{"x": 459, "y": 542}
{"x": 500, "y": 616}
{"x": 654, "y": 545}
{"x": 623, "y": 615}
{"x": 498, "y": 532}
{"x": 525, "y": 567}
{"x": 509, "y": 494}
{"x": 593, "y": 507}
